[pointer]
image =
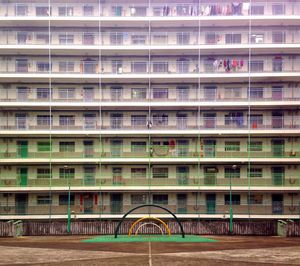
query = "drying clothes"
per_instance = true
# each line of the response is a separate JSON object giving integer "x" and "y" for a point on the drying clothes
{"x": 245, "y": 9}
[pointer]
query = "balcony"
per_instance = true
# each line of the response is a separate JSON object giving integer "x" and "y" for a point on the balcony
{"x": 119, "y": 95}
{"x": 154, "y": 9}
{"x": 110, "y": 40}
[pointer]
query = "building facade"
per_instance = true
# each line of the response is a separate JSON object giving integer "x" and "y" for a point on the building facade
{"x": 191, "y": 105}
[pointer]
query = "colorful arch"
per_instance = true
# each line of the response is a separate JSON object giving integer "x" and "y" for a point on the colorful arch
{"x": 154, "y": 224}
{"x": 149, "y": 218}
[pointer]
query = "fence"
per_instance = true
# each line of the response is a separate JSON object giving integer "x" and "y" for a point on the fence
{"x": 263, "y": 228}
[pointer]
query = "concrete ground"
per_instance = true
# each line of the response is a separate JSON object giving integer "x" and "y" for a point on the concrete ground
{"x": 69, "y": 250}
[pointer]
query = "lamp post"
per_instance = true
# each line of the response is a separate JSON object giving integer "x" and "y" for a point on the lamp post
{"x": 230, "y": 200}
{"x": 69, "y": 200}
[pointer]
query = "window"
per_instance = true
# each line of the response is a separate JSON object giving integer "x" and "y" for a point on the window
{"x": 139, "y": 67}
{"x": 257, "y": 38}
{"x": 278, "y": 37}
{"x": 138, "y": 11}
{"x": 211, "y": 38}
{"x": 138, "y": 146}
{"x": 232, "y": 146}
{"x": 138, "y": 93}
{"x": 138, "y": 39}
{"x": 232, "y": 38}
{"x": 138, "y": 172}
{"x": 66, "y": 39}
{"x": 67, "y": 120}
{"x": 160, "y": 199}
{"x": 22, "y": 65}
{"x": 255, "y": 146}
{"x": 257, "y": 65}
{"x": 43, "y": 173}
{"x": 64, "y": 199}
{"x": 116, "y": 38}
{"x": 232, "y": 173}
{"x": 44, "y": 200}
{"x": 236, "y": 199}
{"x": 138, "y": 120}
{"x": 65, "y": 146}
{"x": 66, "y": 67}
{"x": 183, "y": 38}
{"x": 65, "y": 11}
{"x": 161, "y": 38}
{"x": 278, "y": 9}
{"x": 256, "y": 93}
{"x": 255, "y": 172}
{"x": 160, "y": 67}
{"x": 43, "y": 66}
{"x": 256, "y": 120}
{"x": 257, "y": 9}
{"x": 66, "y": 172}
{"x": 255, "y": 199}
{"x": 160, "y": 119}
{"x": 42, "y": 11}
{"x": 44, "y": 120}
{"x": 160, "y": 172}
{"x": 66, "y": 93}
{"x": 233, "y": 93}
{"x": 43, "y": 146}
{"x": 43, "y": 93}
{"x": 160, "y": 93}
{"x": 138, "y": 199}
{"x": 88, "y": 10}
{"x": 22, "y": 37}
{"x": 21, "y": 10}
{"x": 42, "y": 38}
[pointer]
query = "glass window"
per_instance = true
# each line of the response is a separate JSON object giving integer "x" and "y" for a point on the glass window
{"x": 232, "y": 146}
{"x": 138, "y": 172}
{"x": 255, "y": 146}
{"x": 66, "y": 39}
{"x": 139, "y": 67}
{"x": 21, "y": 10}
{"x": 183, "y": 38}
{"x": 138, "y": 93}
{"x": 67, "y": 120}
{"x": 67, "y": 146}
{"x": 43, "y": 66}
{"x": 232, "y": 38}
{"x": 160, "y": 199}
{"x": 44, "y": 120}
{"x": 256, "y": 93}
{"x": 257, "y": 9}
{"x": 42, "y": 11}
{"x": 232, "y": 173}
{"x": 160, "y": 172}
{"x": 66, "y": 172}
{"x": 42, "y": 38}
{"x": 138, "y": 146}
{"x": 66, "y": 93}
{"x": 160, "y": 119}
{"x": 257, "y": 38}
{"x": 278, "y": 37}
{"x": 138, "y": 199}
{"x": 236, "y": 199}
{"x": 160, "y": 67}
{"x": 257, "y": 65}
{"x": 43, "y": 173}
{"x": 138, "y": 39}
{"x": 233, "y": 93}
{"x": 43, "y": 93}
{"x": 88, "y": 10}
{"x": 255, "y": 199}
{"x": 65, "y": 11}
{"x": 278, "y": 9}
{"x": 43, "y": 200}
{"x": 138, "y": 120}
{"x": 255, "y": 172}
{"x": 161, "y": 38}
{"x": 64, "y": 199}
{"x": 43, "y": 146}
{"x": 160, "y": 93}
{"x": 256, "y": 120}
{"x": 66, "y": 66}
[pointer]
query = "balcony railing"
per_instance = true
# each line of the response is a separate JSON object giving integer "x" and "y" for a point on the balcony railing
{"x": 181, "y": 94}
{"x": 219, "y": 151}
{"x": 146, "y": 9}
{"x": 164, "y": 121}
{"x": 124, "y": 38}
{"x": 217, "y": 65}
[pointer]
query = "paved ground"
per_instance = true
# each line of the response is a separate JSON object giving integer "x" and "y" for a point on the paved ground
{"x": 70, "y": 251}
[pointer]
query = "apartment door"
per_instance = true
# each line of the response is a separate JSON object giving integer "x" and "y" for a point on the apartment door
{"x": 210, "y": 203}
{"x": 277, "y": 93}
{"x": 209, "y": 120}
{"x": 22, "y": 149}
{"x": 21, "y": 121}
{"x": 182, "y": 93}
{"x": 89, "y": 66}
{"x": 88, "y": 148}
{"x": 22, "y": 94}
{"x": 88, "y": 203}
{"x": 117, "y": 175}
{"x": 277, "y": 204}
{"x": 182, "y": 121}
{"x": 22, "y": 176}
{"x": 277, "y": 119}
{"x": 278, "y": 174}
{"x": 182, "y": 148}
{"x": 88, "y": 94}
{"x": 116, "y": 148}
{"x": 89, "y": 121}
{"x": 21, "y": 201}
{"x": 181, "y": 203}
{"x": 182, "y": 175}
{"x": 277, "y": 64}
{"x": 116, "y": 121}
{"x": 210, "y": 176}
{"x": 89, "y": 175}
{"x": 21, "y": 65}
{"x": 278, "y": 148}
{"x": 209, "y": 148}
{"x": 116, "y": 203}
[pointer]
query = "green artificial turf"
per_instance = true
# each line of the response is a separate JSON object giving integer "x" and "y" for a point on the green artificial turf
{"x": 147, "y": 238}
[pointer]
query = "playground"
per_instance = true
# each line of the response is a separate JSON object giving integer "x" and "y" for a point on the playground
{"x": 74, "y": 250}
